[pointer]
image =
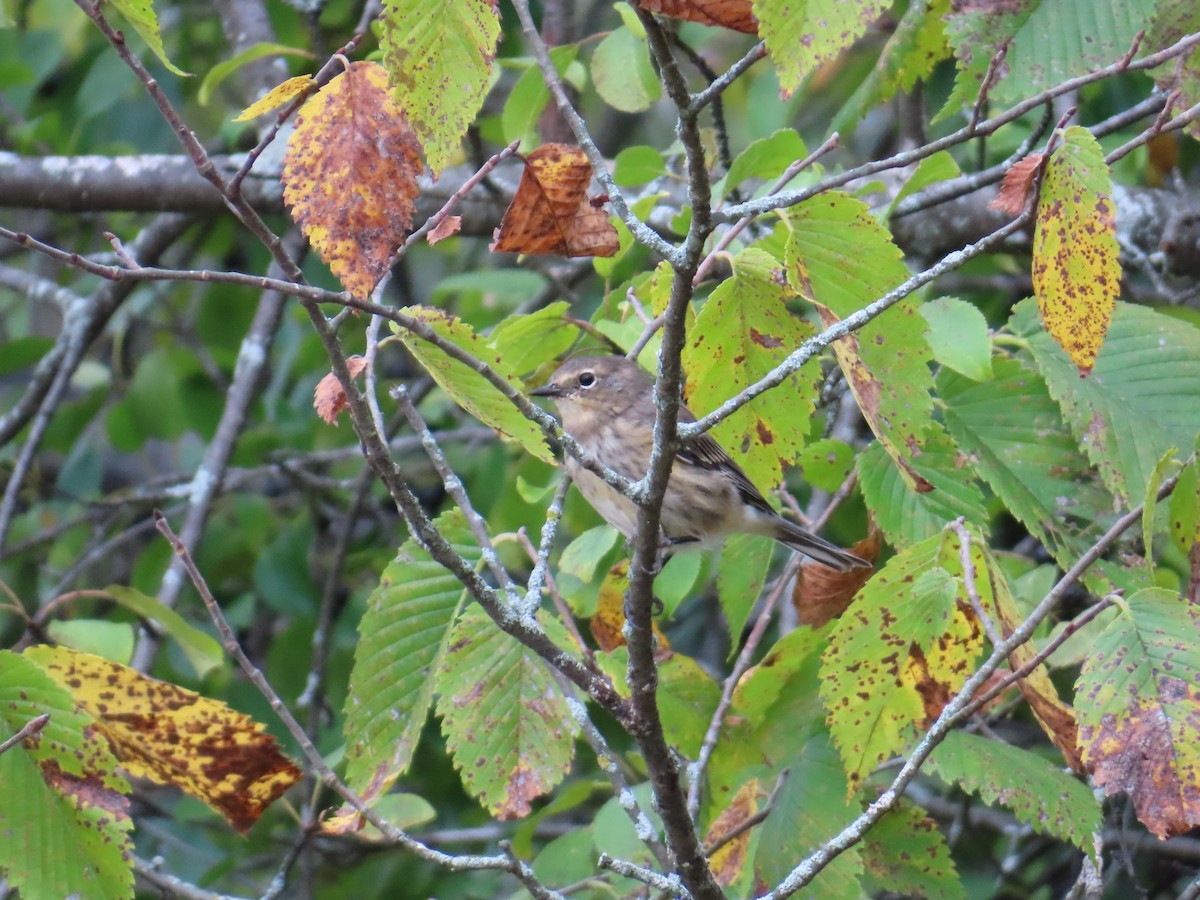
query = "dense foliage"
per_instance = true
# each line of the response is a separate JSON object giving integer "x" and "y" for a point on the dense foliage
{"x": 296, "y": 599}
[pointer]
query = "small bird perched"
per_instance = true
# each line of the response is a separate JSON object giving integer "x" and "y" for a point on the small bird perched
{"x": 607, "y": 405}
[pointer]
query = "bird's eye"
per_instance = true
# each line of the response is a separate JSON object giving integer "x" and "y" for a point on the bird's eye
{"x": 586, "y": 379}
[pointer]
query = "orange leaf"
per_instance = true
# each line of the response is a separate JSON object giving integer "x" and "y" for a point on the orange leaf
{"x": 733, "y": 14}
{"x": 350, "y": 175}
{"x": 608, "y": 621}
{"x": 169, "y": 735}
{"x": 329, "y": 399}
{"x": 729, "y": 859}
{"x": 822, "y": 593}
{"x": 1016, "y": 185}
{"x": 551, "y": 212}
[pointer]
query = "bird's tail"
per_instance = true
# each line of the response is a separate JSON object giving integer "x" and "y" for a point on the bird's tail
{"x": 821, "y": 550}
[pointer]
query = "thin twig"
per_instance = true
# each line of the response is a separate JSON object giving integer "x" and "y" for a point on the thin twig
{"x": 30, "y": 728}
{"x": 457, "y": 491}
{"x": 960, "y": 707}
{"x": 745, "y": 658}
{"x": 669, "y": 884}
{"x": 397, "y": 835}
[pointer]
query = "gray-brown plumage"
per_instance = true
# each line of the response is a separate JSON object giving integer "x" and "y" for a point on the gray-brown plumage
{"x": 607, "y": 405}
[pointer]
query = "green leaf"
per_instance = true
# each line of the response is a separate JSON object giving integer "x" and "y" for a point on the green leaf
{"x": 468, "y": 388}
{"x": 1185, "y": 508}
{"x": 976, "y": 34}
{"x": 1137, "y": 699}
{"x": 584, "y": 554}
{"x": 112, "y": 640}
{"x": 741, "y": 574}
{"x": 223, "y": 70}
{"x": 202, "y": 650}
{"x": 775, "y": 709}
{"x": 528, "y": 98}
{"x": 908, "y": 639}
{"x": 826, "y": 463}
{"x": 688, "y": 698}
{"x": 906, "y": 516}
{"x": 1040, "y": 794}
{"x": 505, "y": 720}
{"x": 1014, "y": 434}
{"x": 932, "y": 169}
{"x": 741, "y": 334}
{"x": 404, "y": 634}
{"x": 677, "y": 579}
{"x": 802, "y": 35}
{"x": 527, "y": 340}
{"x": 958, "y": 337}
{"x": 635, "y": 166}
{"x": 841, "y": 259}
{"x": 1138, "y": 402}
{"x": 622, "y": 72}
{"x": 765, "y": 159}
{"x": 140, "y": 14}
{"x": 64, "y": 810}
{"x": 1173, "y": 20}
{"x": 905, "y": 854}
{"x": 811, "y": 806}
{"x": 439, "y": 57}
{"x": 912, "y": 51}
{"x": 1067, "y": 38}
{"x": 1152, "y": 514}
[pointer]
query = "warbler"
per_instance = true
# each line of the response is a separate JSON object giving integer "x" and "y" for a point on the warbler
{"x": 607, "y": 404}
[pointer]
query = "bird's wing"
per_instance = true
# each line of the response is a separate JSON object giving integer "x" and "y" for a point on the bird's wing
{"x": 705, "y": 452}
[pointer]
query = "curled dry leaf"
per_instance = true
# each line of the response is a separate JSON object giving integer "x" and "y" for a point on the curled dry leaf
{"x": 329, "y": 399}
{"x": 822, "y": 593}
{"x": 733, "y": 14}
{"x": 551, "y": 212}
{"x": 1018, "y": 181}
{"x": 448, "y": 227}
{"x": 350, "y": 175}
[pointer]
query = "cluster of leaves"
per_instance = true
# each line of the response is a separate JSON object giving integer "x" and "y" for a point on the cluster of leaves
{"x": 1001, "y": 443}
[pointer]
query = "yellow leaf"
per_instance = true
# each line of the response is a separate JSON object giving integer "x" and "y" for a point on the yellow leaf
{"x": 1076, "y": 270}
{"x": 276, "y": 97}
{"x": 170, "y": 735}
{"x": 729, "y": 859}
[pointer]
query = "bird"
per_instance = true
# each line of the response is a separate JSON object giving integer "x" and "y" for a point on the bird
{"x": 606, "y": 403}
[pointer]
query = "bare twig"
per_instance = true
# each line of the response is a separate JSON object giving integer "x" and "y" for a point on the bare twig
{"x": 30, "y": 728}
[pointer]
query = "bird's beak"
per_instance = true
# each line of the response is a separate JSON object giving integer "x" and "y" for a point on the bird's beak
{"x": 547, "y": 390}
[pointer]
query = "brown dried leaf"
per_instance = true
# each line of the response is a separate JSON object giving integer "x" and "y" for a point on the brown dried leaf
{"x": 551, "y": 212}
{"x": 734, "y": 14}
{"x": 173, "y": 736}
{"x": 822, "y": 593}
{"x": 350, "y": 175}
{"x": 329, "y": 399}
{"x": 448, "y": 227}
{"x": 1018, "y": 181}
